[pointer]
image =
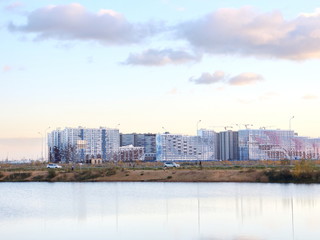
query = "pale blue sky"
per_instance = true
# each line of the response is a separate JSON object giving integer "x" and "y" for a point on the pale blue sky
{"x": 82, "y": 75}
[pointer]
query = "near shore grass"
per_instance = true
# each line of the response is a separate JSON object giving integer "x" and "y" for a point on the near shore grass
{"x": 302, "y": 171}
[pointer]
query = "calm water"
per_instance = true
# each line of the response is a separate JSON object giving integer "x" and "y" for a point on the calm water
{"x": 210, "y": 211}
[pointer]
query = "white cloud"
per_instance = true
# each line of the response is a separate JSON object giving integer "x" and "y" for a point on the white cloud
{"x": 208, "y": 78}
{"x": 245, "y": 79}
{"x": 240, "y": 31}
{"x": 74, "y": 22}
{"x": 245, "y": 31}
{"x": 219, "y": 76}
{"x": 153, "y": 57}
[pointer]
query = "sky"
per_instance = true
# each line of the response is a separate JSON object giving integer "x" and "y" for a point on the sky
{"x": 144, "y": 66}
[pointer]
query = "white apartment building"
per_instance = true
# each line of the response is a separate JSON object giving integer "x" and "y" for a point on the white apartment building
{"x": 82, "y": 144}
{"x": 175, "y": 147}
{"x": 209, "y": 144}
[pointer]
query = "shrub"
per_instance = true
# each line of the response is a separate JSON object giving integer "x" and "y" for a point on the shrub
{"x": 17, "y": 177}
{"x": 280, "y": 176}
{"x": 88, "y": 175}
{"x": 303, "y": 168}
{"x": 51, "y": 173}
{"x": 111, "y": 171}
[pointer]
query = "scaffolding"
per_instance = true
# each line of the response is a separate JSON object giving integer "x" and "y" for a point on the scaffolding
{"x": 276, "y": 145}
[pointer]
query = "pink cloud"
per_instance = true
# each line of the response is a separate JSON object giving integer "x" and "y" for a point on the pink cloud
{"x": 173, "y": 91}
{"x": 208, "y": 78}
{"x": 6, "y": 68}
{"x": 245, "y": 79}
{"x": 310, "y": 97}
{"x": 154, "y": 57}
{"x": 13, "y": 6}
{"x": 220, "y": 77}
{"x": 248, "y": 32}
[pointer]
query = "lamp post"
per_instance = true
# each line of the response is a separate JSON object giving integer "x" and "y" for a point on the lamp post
{"x": 198, "y": 141}
{"x": 290, "y": 151}
{"x": 165, "y": 140}
{"x": 118, "y": 152}
{"x": 41, "y": 145}
{"x": 43, "y": 141}
{"x": 46, "y": 144}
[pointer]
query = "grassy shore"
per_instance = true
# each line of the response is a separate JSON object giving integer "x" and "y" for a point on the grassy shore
{"x": 263, "y": 171}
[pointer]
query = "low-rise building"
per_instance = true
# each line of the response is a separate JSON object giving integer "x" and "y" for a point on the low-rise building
{"x": 128, "y": 154}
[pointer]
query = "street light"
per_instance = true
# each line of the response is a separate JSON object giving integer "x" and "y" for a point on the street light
{"x": 165, "y": 140}
{"x": 41, "y": 145}
{"x": 198, "y": 141}
{"x": 118, "y": 150}
{"x": 198, "y": 126}
{"x": 165, "y": 130}
{"x": 290, "y": 139}
{"x": 46, "y": 143}
{"x": 43, "y": 141}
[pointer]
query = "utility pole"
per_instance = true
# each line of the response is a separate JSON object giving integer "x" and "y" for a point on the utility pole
{"x": 41, "y": 145}
{"x": 46, "y": 153}
{"x": 166, "y": 147}
{"x": 290, "y": 139}
{"x": 198, "y": 142}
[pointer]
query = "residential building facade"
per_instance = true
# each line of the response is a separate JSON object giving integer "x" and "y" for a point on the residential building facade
{"x": 228, "y": 145}
{"x": 128, "y": 154}
{"x": 261, "y": 144}
{"x": 209, "y": 144}
{"x": 82, "y": 144}
{"x": 145, "y": 140}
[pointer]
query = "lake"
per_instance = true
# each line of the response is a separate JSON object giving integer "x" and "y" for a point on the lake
{"x": 206, "y": 211}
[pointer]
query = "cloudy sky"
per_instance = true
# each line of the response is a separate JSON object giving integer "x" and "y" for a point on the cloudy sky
{"x": 154, "y": 64}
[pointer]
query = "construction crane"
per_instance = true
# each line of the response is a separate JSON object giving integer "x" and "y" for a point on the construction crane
{"x": 264, "y": 127}
{"x": 225, "y": 127}
{"x": 245, "y": 125}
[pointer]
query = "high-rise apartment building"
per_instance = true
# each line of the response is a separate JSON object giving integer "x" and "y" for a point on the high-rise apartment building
{"x": 145, "y": 140}
{"x": 175, "y": 147}
{"x": 209, "y": 144}
{"x": 127, "y": 139}
{"x": 262, "y": 144}
{"x": 228, "y": 145}
{"x": 82, "y": 144}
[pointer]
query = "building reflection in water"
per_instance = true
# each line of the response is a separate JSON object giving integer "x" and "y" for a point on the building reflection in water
{"x": 162, "y": 211}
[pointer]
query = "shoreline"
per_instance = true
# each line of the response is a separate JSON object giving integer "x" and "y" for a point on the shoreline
{"x": 183, "y": 174}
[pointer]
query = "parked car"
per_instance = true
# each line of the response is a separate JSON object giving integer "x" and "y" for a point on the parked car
{"x": 53, "y": 165}
{"x": 171, "y": 164}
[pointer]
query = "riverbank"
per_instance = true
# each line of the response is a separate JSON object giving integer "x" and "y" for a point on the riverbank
{"x": 125, "y": 175}
{"x": 277, "y": 174}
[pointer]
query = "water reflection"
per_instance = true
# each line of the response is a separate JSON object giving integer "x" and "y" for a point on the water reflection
{"x": 159, "y": 211}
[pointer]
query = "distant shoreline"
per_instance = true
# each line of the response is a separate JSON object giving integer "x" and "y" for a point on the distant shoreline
{"x": 264, "y": 174}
